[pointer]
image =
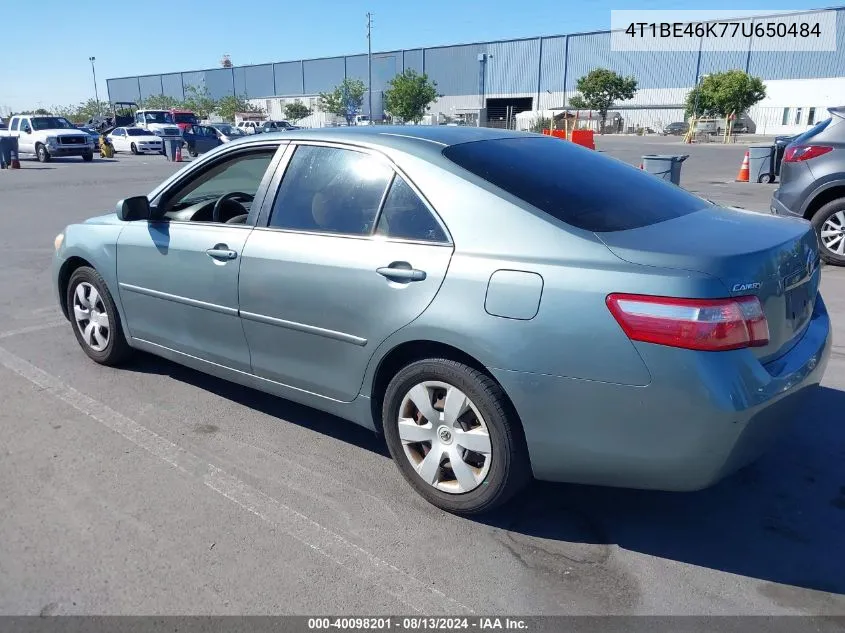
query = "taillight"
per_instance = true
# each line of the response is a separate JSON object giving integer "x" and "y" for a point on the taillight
{"x": 699, "y": 324}
{"x": 798, "y": 153}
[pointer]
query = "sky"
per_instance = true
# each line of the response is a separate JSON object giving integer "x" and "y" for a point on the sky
{"x": 51, "y": 49}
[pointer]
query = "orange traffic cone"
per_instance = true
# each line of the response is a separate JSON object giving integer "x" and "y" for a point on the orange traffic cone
{"x": 178, "y": 157}
{"x": 16, "y": 164}
{"x": 742, "y": 176}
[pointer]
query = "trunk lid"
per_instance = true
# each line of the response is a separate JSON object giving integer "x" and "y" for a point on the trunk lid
{"x": 774, "y": 258}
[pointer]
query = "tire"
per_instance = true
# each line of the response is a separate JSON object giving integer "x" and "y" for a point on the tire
{"x": 116, "y": 350}
{"x": 505, "y": 469}
{"x": 766, "y": 178}
{"x": 42, "y": 153}
{"x": 831, "y": 217}
{"x": 88, "y": 157}
{"x": 194, "y": 153}
{"x": 134, "y": 149}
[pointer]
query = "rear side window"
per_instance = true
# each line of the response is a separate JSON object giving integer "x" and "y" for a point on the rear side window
{"x": 577, "y": 186}
{"x": 405, "y": 216}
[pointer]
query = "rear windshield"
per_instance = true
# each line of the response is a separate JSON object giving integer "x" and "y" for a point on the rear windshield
{"x": 806, "y": 136}
{"x": 575, "y": 185}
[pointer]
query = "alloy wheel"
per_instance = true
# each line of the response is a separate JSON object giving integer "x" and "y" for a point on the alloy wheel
{"x": 89, "y": 313}
{"x": 444, "y": 437}
{"x": 833, "y": 233}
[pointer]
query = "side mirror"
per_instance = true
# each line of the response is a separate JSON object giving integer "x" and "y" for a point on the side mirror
{"x": 134, "y": 208}
{"x": 28, "y": 130}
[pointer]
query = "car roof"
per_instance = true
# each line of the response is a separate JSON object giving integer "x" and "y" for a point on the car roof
{"x": 398, "y": 136}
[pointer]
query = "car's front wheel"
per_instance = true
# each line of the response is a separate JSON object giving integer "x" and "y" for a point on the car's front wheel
{"x": 96, "y": 322}
{"x": 829, "y": 222}
{"x": 133, "y": 148}
{"x": 88, "y": 156}
{"x": 42, "y": 153}
{"x": 454, "y": 436}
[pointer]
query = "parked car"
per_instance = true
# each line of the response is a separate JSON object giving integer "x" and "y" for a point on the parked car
{"x": 589, "y": 344}
{"x": 678, "y": 128}
{"x": 184, "y": 119}
{"x": 136, "y": 140}
{"x": 812, "y": 183}
{"x": 227, "y": 132}
{"x": 46, "y": 136}
{"x": 251, "y": 127}
{"x": 200, "y": 139}
{"x": 159, "y": 122}
{"x": 278, "y": 126}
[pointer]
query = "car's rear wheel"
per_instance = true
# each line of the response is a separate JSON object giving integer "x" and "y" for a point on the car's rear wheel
{"x": 96, "y": 322}
{"x": 133, "y": 148}
{"x": 453, "y": 434}
{"x": 829, "y": 222}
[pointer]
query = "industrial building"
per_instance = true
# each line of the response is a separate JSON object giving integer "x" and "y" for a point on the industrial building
{"x": 492, "y": 81}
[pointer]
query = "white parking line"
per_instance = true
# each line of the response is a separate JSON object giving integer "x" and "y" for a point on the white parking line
{"x": 412, "y": 592}
{"x": 33, "y": 328}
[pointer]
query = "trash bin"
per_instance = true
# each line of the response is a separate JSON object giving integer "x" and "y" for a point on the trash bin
{"x": 170, "y": 145}
{"x": 761, "y": 163}
{"x": 665, "y": 166}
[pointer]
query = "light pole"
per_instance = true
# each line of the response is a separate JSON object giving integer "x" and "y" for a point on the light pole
{"x": 96, "y": 94}
{"x": 370, "y": 64}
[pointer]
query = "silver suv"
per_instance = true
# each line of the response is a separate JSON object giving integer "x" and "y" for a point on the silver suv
{"x": 812, "y": 183}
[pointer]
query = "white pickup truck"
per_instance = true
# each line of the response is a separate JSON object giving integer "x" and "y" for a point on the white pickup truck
{"x": 48, "y": 136}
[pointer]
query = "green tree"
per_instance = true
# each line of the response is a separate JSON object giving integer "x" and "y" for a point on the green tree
{"x": 345, "y": 99}
{"x": 227, "y": 107}
{"x": 600, "y": 89}
{"x": 409, "y": 95}
{"x": 199, "y": 101}
{"x": 724, "y": 94}
{"x": 159, "y": 102}
{"x": 297, "y": 110}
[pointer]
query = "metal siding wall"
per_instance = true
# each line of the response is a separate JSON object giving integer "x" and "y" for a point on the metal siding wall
{"x": 356, "y": 67}
{"x": 413, "y": 59}
{"x": 258, "y": 81}
{"x": 553, "y": 64}
{"x": 653, "y": 69}
{"x": 150, "y": 86}
{"x": 219, "y": 83}
{"x": 240, "y": 80}
{"x": 800, "y": 64}
{"x": 513, "y": 68}
{"x": 322, "y": 75}
{"x": 456, "y": 68}
{"x": 385, "y": 67}
{"x": 193, "y": 79}
{"x": 124, "y": 89}
{"x": 288, "y": 78}
{"x": 172, "y": 86}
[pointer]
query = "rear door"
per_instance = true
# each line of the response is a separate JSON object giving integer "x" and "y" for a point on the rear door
{"x": 349, "y": 254}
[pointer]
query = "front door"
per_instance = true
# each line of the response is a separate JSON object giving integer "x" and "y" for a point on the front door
{"x": 330, "y": 277}
{"x": 178, "y": 274}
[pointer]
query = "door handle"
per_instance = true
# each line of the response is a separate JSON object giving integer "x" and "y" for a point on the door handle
{"x": 401, "y": 271}
{"x": 221, "y": 252}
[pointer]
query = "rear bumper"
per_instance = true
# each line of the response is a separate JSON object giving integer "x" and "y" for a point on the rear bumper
{"x": 776, "y": 207}
{"x": 703, "y": 416}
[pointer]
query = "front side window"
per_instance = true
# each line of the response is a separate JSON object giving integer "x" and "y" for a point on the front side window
{"x": 405, "y": 216}
{"x": 330, "y": 190}
{"x": 241, "y": 173}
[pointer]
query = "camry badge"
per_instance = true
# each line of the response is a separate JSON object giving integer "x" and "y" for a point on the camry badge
{"x": 754, "y": 285}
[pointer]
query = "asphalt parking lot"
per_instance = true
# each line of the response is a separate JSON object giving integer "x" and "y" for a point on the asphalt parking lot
{"x": 154, "y": 489}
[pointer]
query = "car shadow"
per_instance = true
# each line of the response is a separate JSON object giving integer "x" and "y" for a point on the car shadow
{"x": 781, "y": 519}
{"x": 323, "y": 423}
